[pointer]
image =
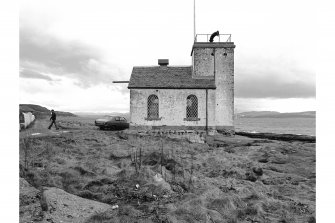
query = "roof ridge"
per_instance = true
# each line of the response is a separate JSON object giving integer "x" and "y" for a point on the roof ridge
{"x": 163, "y": 66}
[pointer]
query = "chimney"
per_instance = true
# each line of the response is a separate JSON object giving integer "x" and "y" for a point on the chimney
{"x": 163, "y": 62}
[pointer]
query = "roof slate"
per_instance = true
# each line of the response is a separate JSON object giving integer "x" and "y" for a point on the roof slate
{"x": 166, "y": 77}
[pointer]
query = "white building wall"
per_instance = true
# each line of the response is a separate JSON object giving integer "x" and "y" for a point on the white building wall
{"x": 224, "y": 81}
{"x": 172, "y": 107}
{"x": 211, "y": 109}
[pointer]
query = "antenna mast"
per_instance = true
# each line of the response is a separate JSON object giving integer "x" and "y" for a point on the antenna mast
{"x": 194, "y": 20}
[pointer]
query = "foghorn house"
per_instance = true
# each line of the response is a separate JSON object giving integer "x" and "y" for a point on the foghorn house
{"x": 199, "y": 97}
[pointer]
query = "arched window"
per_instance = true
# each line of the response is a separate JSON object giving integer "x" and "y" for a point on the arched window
{"x": 192, "y": 107}
{"x": 153, "y": 107}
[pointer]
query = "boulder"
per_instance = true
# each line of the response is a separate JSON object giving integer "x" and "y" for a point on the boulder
{"x": 159, "y": 185}
{"x": 194, "y": 138}
{"x": 30, "y": 206}
{"x": 65, "y": 207}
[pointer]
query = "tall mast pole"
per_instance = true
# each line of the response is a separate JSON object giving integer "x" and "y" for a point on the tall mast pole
{"x": 194, "y": 20}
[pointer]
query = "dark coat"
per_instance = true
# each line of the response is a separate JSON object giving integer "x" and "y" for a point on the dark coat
{"x": 53, "y": 116}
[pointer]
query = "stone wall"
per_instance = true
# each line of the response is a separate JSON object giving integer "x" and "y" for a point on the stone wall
{"x": 203, "y": 67}
{"x": 172, "y": 108}
{"x": 203, "y": 62}
{"x": 224, "y": 80}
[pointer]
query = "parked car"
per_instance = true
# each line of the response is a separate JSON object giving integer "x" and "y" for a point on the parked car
{"x": 112, "y": 122}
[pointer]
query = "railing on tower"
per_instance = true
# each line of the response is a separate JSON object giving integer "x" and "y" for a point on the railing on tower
{"x": 218, "y": 39}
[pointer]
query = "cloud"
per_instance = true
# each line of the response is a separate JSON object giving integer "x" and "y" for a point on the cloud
{"x": 26, "y": 73}
{"x": 41, "y": 52}
{"x": 275, "y": 78}
{"x": 271, "y": 87}
{"x": 65, "y": 96}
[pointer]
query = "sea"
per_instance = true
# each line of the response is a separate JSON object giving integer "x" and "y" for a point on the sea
{"x": 298, "y": 126}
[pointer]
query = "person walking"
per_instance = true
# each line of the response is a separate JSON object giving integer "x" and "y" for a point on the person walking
{"x": 53, "y": 119}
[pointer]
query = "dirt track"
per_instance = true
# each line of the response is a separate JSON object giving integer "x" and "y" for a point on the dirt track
{"x": 224, "y": 180}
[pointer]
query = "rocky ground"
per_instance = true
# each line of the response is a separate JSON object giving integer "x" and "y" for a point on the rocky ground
{"x": 82, "y": 174}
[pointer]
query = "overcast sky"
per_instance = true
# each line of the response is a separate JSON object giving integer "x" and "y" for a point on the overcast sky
{"x": 71, "y": 51}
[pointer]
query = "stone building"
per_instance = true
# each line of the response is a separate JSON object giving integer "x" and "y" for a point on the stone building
{"x": 199, "y": 97}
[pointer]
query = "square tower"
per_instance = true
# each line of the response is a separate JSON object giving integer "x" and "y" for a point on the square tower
{"x": 215, "y": 60}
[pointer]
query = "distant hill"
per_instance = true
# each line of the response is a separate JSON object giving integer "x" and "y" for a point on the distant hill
{"x": 101, "y": 114}
{"x": 273, "y": 114}
{"x": 41, "y": 112}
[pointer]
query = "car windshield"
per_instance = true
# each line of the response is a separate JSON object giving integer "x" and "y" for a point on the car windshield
{"x": 117, "y": 118}
{"x": 108, "y": 116}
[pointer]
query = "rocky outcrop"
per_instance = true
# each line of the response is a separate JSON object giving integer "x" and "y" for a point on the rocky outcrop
{"x": 55, "y": 205}
{"x": 30, "y": 206}
{"x": 65, "y": 207}
{"x": 282, "y": 137}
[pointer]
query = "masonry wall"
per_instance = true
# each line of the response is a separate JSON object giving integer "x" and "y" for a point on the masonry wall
{"x": 224, "y": 80}
{"x": 172, "y": 108}
{"x": 223, "y": 73}
{"x": 203, "y": 63}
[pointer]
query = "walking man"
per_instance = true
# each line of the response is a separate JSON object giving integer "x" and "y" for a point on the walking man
{"x": 53, "y": 119}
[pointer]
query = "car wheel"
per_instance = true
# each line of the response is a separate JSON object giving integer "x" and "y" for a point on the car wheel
{"x": 102, "y": 128}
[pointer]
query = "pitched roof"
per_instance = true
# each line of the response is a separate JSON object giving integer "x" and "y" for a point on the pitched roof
{"x": 166, "y": 77}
